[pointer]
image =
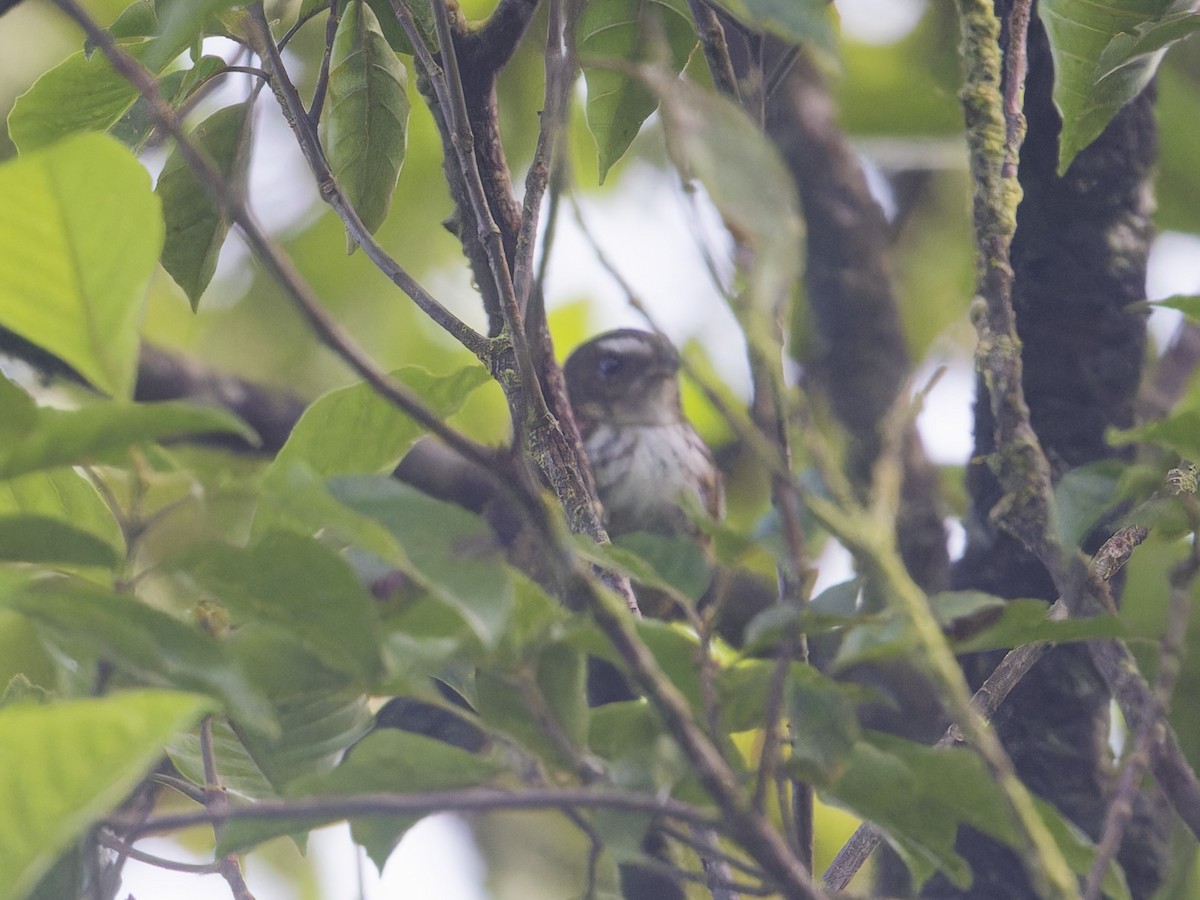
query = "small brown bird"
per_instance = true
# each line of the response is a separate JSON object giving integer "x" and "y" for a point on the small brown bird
{"x": 646, "y": 457}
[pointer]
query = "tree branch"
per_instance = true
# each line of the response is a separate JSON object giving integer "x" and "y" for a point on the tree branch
{"x": 472, "y": 800}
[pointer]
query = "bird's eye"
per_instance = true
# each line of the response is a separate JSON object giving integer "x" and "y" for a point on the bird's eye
{"x": 608, "y": 364}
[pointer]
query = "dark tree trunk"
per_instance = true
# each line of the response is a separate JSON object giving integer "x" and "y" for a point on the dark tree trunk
{"x": 1079, "y": 259}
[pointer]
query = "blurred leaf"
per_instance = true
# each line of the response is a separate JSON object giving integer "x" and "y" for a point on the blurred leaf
{"x": 676, "y": 562}
{"x": 394, "y": 31}
{"x": 353, "y": 430}
{"x": 919, "y": 795}
{"x": 240, "y": 775}
{"x": 1179, "y": 432}
{"x": 320, "y": 711}
{"x": 1083, "y": 496}
{"x": 21, "y": 652}
{"x": 32, "y": 538}
{"x": 714, "y": 141}
{"x": 385, "y": 761}
{"x": 82, "y": 93}
{"x": 366, "y": 117}
{"x": 1188, "y": 304}
{"x": 81, "y": 231}
{"x": 195, "y": 228}
{"x": 1088, "y": 91}
{"x": 138, "y": 19}
{"x": 298, "y": 584}
{"x": 626, "y": 30}
{"x": 821, "y": 713}
{"x": 182, "y": 23}
{"x": 93, "y": 433}
{"x": 797, "y": 21}
{"x": 638, "y": 753}
{"x": 1177, "y": 185}
{"x": 1148, "y": 39}
{"x": 93, "y": 623}
{"x": 558, "y": 689}
{"x": 67, "y": 764}
{"x": 69, "y": 497}
{"x": 1080, "y": 852}
{"x": 1024, "y": 621}
{"x": 452, "y": 551}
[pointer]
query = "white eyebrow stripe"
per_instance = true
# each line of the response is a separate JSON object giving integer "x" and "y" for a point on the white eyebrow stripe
{"x": 625, "y": 345}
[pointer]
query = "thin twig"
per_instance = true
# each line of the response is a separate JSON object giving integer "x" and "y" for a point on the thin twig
{"x": 216, "y": 800}
{"x": 332, "y": 808}
{"x": 114, "y": 843}
{"x": 463, "y": 141}
{"x": 318, "y": 100}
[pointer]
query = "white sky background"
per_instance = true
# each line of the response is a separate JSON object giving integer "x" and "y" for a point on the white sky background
{"x": 648, "y": 230}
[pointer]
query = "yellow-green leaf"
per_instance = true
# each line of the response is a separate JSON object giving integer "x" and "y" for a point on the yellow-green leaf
{"x": 81, "y": 232}
{"x": 64, "y": 765}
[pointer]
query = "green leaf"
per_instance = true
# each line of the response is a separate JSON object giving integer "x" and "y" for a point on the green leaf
{"x": 385, "y": 761}
{"x": 1083, "y": 496}
{"x": 638, "y": 753}
{"x": 618, "y": 104}
{"x": 320, "y": 711}
{"x": 296, "y": 583}
{"x": 367, "y": 114}
{"x": 1088, "y": 91}
{"x": 798, "y": 21}
{"x": 1188, "y": 304}
{"x": 240, "y": 775}
{"x": 65, "y": 765}
{"x": 1080, "y": 852}
{"x": 1179, "y": 432}
{"x": 919, "y": 795}
{"x": 95, "y": 432}
{"x": 93, "y": 623}
{"x": 82, "y": 232}
{"x": 354, "y": 430}
{"x": 82, "y": 93}
{"x": 821, "y": 712}
{"x": 451, "y": 551}
{"x": 560, "y": 682}
{"x": 1024, "y": 621}
{"x": 182, "y": 24}
{"x": 195, "y": 228}
{"x": 30, "y": 538}
{"x": 678, "y": 563}
{"x": 70, "y": 498}
{"x": 1149, "y": 39}
{"x": 394, "y": 31}
{"x": 138, "y": 19}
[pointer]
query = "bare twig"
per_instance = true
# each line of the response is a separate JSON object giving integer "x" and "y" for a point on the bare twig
{"x": 216, "y": 800}
{"x": 114, "y": 843}
{"x": 318, "y": 100}
{"x": 332, "y": 808}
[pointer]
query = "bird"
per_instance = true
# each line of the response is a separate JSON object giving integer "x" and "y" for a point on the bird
{"x": 653, "y": 471}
